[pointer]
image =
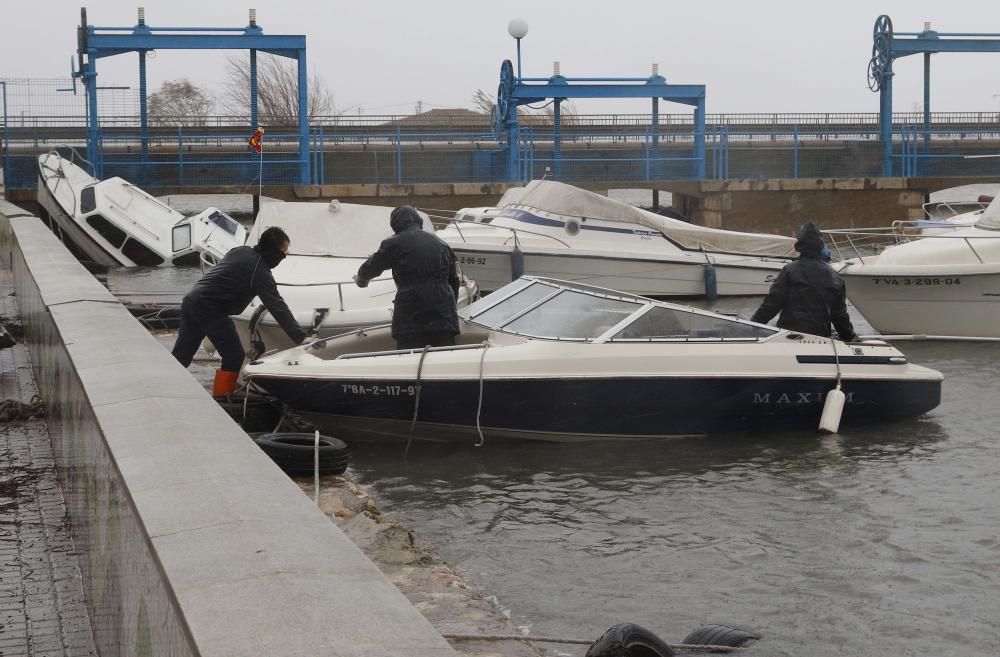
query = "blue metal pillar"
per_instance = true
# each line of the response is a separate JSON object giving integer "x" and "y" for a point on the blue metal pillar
{"x": 656, "y": 141}
{"x": 699, "y": 139}
{"x": 513, "y": 148}
{"x": 6, "y": 156}
{"x": 94, "y": 154}
{"x": 143, "y": 110}
{"x": 885, "y": 122}
{"x": 927, "y": 101}
{"x": 557, "y": 138}
{"x": 303, "y": 118}
{"x": 254, "y": 119}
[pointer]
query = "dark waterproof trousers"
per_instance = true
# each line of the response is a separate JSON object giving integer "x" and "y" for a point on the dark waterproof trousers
{"x": 421, "y": 340}
{"x": 197, "y": 323}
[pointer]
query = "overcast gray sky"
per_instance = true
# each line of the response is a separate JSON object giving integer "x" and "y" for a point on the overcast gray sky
{"x": 761, "y": 56}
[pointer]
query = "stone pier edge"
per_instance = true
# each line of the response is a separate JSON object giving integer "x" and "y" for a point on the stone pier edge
{"x": 191, "y": 541}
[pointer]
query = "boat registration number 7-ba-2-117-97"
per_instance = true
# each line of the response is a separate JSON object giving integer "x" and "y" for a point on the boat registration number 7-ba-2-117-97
{"x": 377, "y": 390}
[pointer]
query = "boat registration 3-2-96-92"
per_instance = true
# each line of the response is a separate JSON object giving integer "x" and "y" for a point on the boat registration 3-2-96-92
{"x": 882, "y": 280}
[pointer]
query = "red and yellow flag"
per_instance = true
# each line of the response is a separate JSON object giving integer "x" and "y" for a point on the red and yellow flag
{"x": 255, "y": 139}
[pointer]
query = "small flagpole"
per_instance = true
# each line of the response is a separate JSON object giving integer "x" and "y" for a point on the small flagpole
{"x": 260, "y": 177}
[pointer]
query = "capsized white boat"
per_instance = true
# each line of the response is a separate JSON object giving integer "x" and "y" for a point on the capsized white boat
{"x": 115, "y": 224}
{"x": 945, "y": 284}
{"x": 329, "y": 241}
{"x": 553, "y": 360}
{"x": 572, "y": 234}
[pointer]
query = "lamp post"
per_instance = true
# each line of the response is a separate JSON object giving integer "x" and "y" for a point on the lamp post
{"x": 518, "y": 28}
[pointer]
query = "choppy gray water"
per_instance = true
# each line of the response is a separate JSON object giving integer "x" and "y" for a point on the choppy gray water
{"x": 882, "y": 541}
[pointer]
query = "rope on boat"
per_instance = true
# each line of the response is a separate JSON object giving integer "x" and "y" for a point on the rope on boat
{"x": 479, "y": 404}
{"x": 416, "y": 401}
{"x": 582, "y": 642}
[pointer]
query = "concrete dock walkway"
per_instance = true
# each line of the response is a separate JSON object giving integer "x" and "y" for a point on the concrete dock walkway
{"x": 42, "y": 608}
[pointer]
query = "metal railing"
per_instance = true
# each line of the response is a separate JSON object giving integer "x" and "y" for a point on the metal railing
{"x": 592, "y": 148}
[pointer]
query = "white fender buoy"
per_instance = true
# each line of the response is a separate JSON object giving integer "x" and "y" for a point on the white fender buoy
{"x": 833, "y": 407}
{"x": 833, "y": 410}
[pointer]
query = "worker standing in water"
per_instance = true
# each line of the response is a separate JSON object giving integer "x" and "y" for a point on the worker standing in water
{"x": 227, "y": 289}
{"x": 808, "y": 293}
{"x": 425, "y": 312}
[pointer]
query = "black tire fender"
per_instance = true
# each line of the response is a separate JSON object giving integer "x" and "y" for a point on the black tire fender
{"x": 720, "y": 635}
{"x": 629, "y": 640}
{"x": 261, "y": 414}
{"x": 294, "y": 452}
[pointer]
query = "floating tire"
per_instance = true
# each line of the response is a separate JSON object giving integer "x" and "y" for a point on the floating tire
{"x": 294, "y": 452}
{"x": 629, "y": 640}
{"x": 720, "y": 635}
{"x": 262, "y": 415}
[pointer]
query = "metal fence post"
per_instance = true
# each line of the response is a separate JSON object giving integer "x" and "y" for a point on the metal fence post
{"x": 399, "y": 157}
{"x": 322, "y": 156}
{"x": 795, "y": 151}
{"x": 6, "y": 137}
{"x": 180, "y": 156}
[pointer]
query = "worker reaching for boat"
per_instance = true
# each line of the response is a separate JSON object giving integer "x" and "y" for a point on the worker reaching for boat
{"x": 425, "y": 312}
{"x": 227, "y": 289}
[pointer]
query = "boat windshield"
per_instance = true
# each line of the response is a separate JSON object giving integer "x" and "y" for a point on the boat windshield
{"x": 570, "y": 311}
{"x": 667, "y": 323}
{"x": 224, "y": 221}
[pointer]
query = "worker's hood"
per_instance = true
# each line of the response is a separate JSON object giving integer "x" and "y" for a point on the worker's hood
{"x": 809, "y": 241}
{"x": 404, "y": 217}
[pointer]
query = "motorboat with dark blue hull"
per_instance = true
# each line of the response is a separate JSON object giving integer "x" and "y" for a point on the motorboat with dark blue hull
{"x": 549, "y": 360}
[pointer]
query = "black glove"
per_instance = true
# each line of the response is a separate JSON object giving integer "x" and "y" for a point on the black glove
{"x": 359, "y": 281}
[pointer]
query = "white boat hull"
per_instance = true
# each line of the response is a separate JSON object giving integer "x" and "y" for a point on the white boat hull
{"x": 682, "y": 276}
{"x": 68, "y": 229}
{"x": 949, "y": 303}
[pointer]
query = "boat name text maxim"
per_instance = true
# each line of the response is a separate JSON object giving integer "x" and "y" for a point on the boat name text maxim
{"x": 795, "y": 397}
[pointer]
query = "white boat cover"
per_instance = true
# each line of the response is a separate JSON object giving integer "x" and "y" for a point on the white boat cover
{"x": 343, "y": 230}
{"x": 559, "y": 198}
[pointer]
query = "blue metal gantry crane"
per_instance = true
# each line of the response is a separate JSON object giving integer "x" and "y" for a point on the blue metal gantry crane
{"x": 515, "y": 90}
{"x": 95, "y": 42}
{"x": 888, "y": 46}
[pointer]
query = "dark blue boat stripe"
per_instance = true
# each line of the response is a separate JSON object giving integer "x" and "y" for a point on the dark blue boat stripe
{"x": 529, "y": 218}
{"x": 853, "y": 360}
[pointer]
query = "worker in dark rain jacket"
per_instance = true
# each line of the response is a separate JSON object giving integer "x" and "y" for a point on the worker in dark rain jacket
{"x": 426, "y": 276}
{"x": 808, "y": 293}
{"x": 227, "y": 289}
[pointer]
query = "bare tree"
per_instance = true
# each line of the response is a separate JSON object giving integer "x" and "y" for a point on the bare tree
{"x": 484, "y": 102}
{"x": 179, "y": 102}
{"x": 277, "y": 90}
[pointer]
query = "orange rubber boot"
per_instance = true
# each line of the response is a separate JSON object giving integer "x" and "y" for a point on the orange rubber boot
{"x": 225, "y": 383}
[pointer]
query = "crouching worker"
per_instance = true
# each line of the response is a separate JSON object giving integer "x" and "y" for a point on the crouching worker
{"x": 808, "y": 293}
{"x": 425, "y": 312}
{"x": 227, "y": 289}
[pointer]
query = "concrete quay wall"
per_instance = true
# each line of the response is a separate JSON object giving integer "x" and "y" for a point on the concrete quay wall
{"x": 192, "y": 543}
